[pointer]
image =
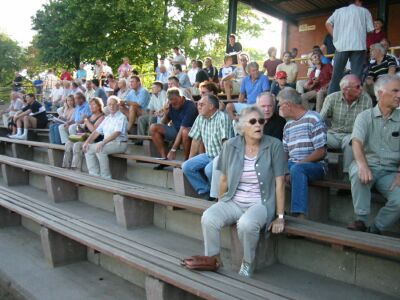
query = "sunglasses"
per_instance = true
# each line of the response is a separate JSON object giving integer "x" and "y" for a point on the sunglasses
{"x": 254, "y": 121}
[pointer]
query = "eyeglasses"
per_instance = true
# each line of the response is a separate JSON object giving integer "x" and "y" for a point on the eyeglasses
{"x": 260, "y": 121}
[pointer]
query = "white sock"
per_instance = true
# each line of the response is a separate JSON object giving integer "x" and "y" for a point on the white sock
{"x": 19, "y": 131}
{"x": 25, "y": 131}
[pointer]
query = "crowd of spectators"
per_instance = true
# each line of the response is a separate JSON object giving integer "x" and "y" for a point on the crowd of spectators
{"x": 244, "y": 153}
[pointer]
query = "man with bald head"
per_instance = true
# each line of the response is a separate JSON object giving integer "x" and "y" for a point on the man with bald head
{"x": 342, "y": 108}
{"x": 274, "y": 123}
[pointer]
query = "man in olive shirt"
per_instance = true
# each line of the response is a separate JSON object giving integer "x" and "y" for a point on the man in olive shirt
{"x": 342, "y": 108}
{"x": 376, "y": 148}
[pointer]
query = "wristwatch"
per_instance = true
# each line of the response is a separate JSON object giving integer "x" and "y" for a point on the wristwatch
{"x": 280, "y": 216}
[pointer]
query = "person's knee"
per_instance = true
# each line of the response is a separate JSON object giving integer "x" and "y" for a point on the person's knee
{"x": 246, "y": 225}
{"x": 208, "y": 220}
{"x": 296, "y": 170}
{"x": 186, "y": 167}
{"x": 154, "y": 128}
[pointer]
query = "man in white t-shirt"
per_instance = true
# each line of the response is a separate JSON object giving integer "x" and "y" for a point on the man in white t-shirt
{"x": 155, "y": 109}
{"x": 55, "y": 97}
{"x": 193, "y": 72}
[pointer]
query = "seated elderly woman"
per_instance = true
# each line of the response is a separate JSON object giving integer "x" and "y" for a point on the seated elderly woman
{"x": 114, "y": 129}
{"x": 73, "y": 149}
{"x": 65, "y": 114}
{"x": 252, "y": 190}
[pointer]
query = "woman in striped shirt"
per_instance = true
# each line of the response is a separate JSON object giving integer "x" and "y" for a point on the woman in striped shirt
{"x": 251, "y": 188}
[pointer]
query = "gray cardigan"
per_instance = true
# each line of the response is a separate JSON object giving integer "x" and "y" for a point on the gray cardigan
{"x": 270, "y": 163}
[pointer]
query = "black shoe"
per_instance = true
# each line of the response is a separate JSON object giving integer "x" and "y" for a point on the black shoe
{"x": 373, "y": 229}
{"x": 357, "y": 226}
{"x": 138, "y": 143}
{"x": 159, "y": 167}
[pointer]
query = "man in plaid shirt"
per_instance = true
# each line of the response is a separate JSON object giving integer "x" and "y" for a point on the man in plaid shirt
{"x": 212, "y": 128}
{"x": 342, "y": 108}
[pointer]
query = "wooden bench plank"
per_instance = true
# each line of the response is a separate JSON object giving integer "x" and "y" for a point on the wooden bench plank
{"x": 377, "y": 244}
{"x": 96, "y": 239}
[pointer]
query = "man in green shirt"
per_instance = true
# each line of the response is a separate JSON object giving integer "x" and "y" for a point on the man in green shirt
{"x": 376, "y": 148}
{"x": 342, "y": 108}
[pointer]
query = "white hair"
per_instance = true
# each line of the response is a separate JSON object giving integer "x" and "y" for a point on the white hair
{"x": 382, "y": 82}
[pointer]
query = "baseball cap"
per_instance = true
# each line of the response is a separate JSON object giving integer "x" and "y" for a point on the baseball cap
{"x": 281, "y": 75}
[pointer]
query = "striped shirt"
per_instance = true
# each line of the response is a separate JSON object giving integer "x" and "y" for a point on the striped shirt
{"x": 350, "y": 27}
{"x": 212, "y": 131}
{"x": 375, "y": 70}
{"x": 248, "y": 191}
{"x": 304, "y": 136}
{"x": 343, "y": 115}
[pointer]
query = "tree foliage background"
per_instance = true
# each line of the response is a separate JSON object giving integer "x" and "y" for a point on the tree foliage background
{"x": 11, "y": 58}
{"x": 71, "y": 31}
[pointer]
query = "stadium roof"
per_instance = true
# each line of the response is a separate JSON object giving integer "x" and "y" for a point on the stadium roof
{"x": 294, "y": 10}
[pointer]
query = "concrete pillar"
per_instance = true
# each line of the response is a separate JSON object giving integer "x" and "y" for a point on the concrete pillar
{"x": 55, "y": 157}
{"x": 160, "y": 290}
{"x": 118, "y": 167}
{"x": 14, "y": 176}
{"x": 133, "y": 212}
{"x": 318, "y": 203}
{"x": 60, "y": 190}
{"x": 22, "y": 151}
{"x": 9, "y": 218}
{"x": 60, "y": 250}
{"x": 150, "y": 149}
{"x": 181, "y": 185}
{"x": 265, "y": 252}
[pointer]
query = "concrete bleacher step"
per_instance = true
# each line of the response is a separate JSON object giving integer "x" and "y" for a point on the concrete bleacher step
{"x": 323, "y": 267}
{"x": 24, "y": 270}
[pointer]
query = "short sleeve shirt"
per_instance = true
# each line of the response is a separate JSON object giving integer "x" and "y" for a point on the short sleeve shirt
{"x": 212, "y": 131}
{"x": 184, "y": 80}
{"x": 225, "y": 71}
{"x": 375, "y": 70}
{"x": 183, "y": 117}
{"x": 341, "y": 114}
{"x": 81, "y": 111}
{"x": 114, "y": 123}
{"x": 303, "y": 136}
{"x": 291, "y": 70}
{"x": 253, "y": 88}
{"x": 140, "y": 96}
{"x": 380, "y": 137}
{"x": 157, "y": 101}
{"x": 37, "y": 111}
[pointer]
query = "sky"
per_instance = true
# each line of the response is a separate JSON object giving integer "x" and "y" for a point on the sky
{"x": 15, "y": 20}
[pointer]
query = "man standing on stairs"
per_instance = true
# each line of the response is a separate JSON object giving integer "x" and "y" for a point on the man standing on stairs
{"x": 376, "y": 148}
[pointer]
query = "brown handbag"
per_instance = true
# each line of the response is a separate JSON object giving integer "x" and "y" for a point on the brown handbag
{"x": 201, "y": 263}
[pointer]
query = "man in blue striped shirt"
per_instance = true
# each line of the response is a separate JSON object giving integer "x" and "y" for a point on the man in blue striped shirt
{"x": 304, "y": 142}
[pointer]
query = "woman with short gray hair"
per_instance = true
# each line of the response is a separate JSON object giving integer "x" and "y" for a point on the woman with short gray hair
{"x": 252, "y": 190}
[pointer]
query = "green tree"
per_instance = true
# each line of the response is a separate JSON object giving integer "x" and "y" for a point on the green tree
{"x": 10, "y": 58}
{"x": 71, "y": 31}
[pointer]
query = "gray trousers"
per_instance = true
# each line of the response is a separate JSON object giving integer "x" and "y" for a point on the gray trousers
{"x": 311, "y": 95}
{"x": 357, "y": 61}
{"x": 98, "y": 163}
{"x": 144, "y": 123}
{"x": 249, "y": 223}
{"x": 65, "y": 133}
{"x": 216, "y": 175}
{"x": 341, "y": 141}
{"x": 73, "y": 155}
{"x": 361, "y": 193}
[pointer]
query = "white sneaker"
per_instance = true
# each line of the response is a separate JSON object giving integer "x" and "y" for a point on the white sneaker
{"x": 12, "y": 136}
{"x": 21, "y": 137}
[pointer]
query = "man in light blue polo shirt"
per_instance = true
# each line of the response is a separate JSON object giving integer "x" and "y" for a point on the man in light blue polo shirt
{"x": 137, "y": 101}
{"x": 252, "y": 85}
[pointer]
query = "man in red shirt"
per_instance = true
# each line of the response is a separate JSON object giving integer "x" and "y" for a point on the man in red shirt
{"x": 377, "y": 35}
{"x": 65, "y": 75}
{"x": 318, "y": 83}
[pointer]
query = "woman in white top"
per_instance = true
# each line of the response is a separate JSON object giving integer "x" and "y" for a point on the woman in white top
{"x": 252, "y": 188}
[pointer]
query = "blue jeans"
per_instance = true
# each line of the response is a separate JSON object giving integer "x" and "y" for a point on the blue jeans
{"x": 55, "y": 134}
{"x": 48, "y": 105}
{"x": 198, "y": 170}
{"x": 301, "y": 174}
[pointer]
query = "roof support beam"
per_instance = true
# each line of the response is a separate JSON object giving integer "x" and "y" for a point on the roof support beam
{"x": 232, "y": 20}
